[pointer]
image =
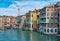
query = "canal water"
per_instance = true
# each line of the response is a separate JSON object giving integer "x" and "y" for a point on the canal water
{"x": 19, "y": 35}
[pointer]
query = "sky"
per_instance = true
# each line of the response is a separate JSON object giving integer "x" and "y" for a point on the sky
{"x": 10, "y": 7}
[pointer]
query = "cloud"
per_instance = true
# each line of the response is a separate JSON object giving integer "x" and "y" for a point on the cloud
{"x": 8, "y": 11}
{"x": 24, "y": 6}
{"x": 28, "y": 5}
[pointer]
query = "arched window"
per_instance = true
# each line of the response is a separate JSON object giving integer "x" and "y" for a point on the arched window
{"x": 51, "y": 30}
{"x": 44, "y": 30}
{"x": 55, "y": 30}
{"x": 47, "y": 30}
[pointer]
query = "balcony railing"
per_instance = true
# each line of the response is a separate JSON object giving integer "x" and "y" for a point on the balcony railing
{"x": 42, "y": 16}
{"x": 47, "y": 22}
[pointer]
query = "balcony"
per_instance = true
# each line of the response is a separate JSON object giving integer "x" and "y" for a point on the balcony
{"x": 46, "y": 22}
{"x": 42, "y": 16}
{"x": 51, "y": 20}
{"x": 53, "y": 16}
{"x": 28, "y": 22}
{"x": 42, "y": 22}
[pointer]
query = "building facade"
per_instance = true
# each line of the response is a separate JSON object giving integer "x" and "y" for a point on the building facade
{"x": 31, "y": 20}
{"x": 58, "y": 14}
{"x": 28, "y": 24}
{"x": 20, "y": 20}
{"x": 48, "y": 20}
{"x": 38, "y": 20}
{"x": 6, "y": 21}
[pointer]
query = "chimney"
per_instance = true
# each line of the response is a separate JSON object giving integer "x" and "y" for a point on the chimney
{"x": 18, "y": 11}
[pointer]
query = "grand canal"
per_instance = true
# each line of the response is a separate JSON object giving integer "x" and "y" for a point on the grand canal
{"x": 19, "y": 35}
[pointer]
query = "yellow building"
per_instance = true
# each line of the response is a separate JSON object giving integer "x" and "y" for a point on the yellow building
{"x": 34, "y": 19}
{"x": 31, "y": 20}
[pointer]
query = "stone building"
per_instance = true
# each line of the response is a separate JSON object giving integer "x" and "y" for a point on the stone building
{"x": 48, "y": 20}
{"x": 31, "y": 20}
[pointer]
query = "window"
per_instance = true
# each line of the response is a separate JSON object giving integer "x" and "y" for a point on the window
{"x": 32, "y": 15}
{"x": 58, "y": 14}
{"x": 47, "y": 30}
{"x": 51, "y": 30}
{"x": 58, "y": 20}
{"x": 28, "y": 25}
{"x": 47, "y": 17}
{"x": 48, "y": 25}
{"x": 18, "y": 22}
{"x": 51, "y": 14}
{"x": 51, "y": 9}
{"x": 47, "y": 9}
{"x": 37, "y": 16}
{"x": 0, "y": 20}
{"x": 55, "y": 25}
{"x": 55, "y": 14}
{"x": 58, "y": 25}
{"x": 5, "y": 24}
{"x": 47, "y": 14}
{"x": 42, "y": 18}
{"x": 55, "y": 30}
{"x": 43, "y": 14}
{"x": 32, "y": 25}
{"x": 52, "y": 25}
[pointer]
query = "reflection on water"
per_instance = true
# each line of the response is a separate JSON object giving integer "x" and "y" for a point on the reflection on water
{"x": 19, "y": 35}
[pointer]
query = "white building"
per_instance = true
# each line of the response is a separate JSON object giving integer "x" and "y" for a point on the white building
{"x": 58, "y": 12}
{"x": 48, "y": 20}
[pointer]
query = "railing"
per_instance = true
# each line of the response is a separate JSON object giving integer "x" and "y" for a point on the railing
{"x": 42, "y": 17}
